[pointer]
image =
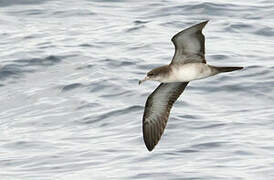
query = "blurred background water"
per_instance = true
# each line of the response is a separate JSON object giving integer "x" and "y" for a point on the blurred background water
{"x": 71, "y": 107}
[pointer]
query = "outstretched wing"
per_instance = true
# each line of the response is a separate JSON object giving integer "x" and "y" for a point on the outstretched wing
{"x": 157, "y": 109}
{"x": 189, "y": 45}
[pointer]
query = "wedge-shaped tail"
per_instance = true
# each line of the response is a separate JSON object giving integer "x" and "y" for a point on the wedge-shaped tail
{"x": 226, "y": 69}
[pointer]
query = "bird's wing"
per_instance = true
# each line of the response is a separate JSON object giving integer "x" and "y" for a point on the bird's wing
{"x": 189, "y": 45}
{"x": 157, "y": 109}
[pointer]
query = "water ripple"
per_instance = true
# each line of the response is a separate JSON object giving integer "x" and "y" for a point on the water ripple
{"x": 71, "y": 87}
{"x": 71, "y": 107}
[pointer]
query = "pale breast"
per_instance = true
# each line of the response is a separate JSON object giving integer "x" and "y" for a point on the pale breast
{"x": 188, "y": 72}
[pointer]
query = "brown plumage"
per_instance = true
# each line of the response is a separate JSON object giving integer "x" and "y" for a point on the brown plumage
{"x": 154, "y": 120}
{"x": 188, "y": 63}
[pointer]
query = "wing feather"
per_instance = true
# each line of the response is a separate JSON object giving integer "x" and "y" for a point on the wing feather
{"x": 157, "y": 109}
{"x": 189, "y": 45}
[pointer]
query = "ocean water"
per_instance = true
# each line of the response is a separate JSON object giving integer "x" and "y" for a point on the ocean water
{"x": 71, "y": 106}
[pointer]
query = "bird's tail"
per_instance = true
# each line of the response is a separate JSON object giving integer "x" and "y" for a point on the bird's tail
{"x": 226, "y": 69}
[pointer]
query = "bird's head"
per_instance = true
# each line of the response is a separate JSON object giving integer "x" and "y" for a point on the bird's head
{"x": 156, "y": 74}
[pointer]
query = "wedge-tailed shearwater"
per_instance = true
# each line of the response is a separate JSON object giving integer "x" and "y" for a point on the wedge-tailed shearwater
{"x": 188, "y": 63}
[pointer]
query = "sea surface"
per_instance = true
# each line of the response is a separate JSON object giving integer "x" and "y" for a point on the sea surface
{"x": 71, "y": 107}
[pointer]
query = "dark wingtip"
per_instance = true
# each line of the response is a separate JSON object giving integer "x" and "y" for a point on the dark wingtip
{"x": 149, "y": 148}
{"x": 149, "y": 143}
{"x": 239, "y": 68}
{"x": 199, "y": 26}
{"x": 204, "y": 23}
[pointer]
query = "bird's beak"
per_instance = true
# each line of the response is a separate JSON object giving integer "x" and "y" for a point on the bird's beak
{"x": 141, "y": 81}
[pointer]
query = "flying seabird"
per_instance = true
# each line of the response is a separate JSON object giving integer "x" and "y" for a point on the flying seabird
{"x": 188, "y": 63}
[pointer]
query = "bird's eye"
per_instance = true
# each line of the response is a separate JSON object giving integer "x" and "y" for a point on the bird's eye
{"x": 150, "y": 74}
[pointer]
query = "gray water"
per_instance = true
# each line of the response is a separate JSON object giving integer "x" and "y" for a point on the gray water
{"x": 71, "y": 107}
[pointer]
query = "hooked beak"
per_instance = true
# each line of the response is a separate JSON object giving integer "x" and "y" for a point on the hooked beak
{"x": 143, "y": 80}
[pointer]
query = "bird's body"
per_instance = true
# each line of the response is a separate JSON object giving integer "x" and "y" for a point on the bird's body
{"x": 188, "y": 72}
{"x": 188, "y": 64}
